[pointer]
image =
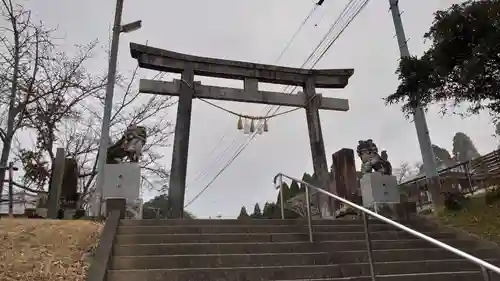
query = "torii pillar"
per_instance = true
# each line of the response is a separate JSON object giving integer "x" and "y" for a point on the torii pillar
{"x": 251, "y": 74}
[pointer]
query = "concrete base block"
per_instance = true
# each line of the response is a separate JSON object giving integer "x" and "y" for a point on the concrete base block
{"x": 396, "y": 211}
{"x": 113, "y": 204}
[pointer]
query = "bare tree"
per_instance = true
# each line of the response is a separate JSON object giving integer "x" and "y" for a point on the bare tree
{"x": 129, "y": 107}
{"x": 67, "y": 83}
{"x": 24, "y": 46}
{"x": 405, "y": 172}
{"x": 60, "y": 103}
{"x": 74, "y": 123}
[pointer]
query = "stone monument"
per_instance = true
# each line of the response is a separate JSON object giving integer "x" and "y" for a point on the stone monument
{"x": 69, "y": 202}
{"x": 344, "y": 182}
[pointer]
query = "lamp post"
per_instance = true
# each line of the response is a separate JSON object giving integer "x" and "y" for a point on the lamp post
{"x": 108, "y": 101}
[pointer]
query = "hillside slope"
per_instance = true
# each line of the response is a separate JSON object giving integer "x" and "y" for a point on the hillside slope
{"x": 477, "y": 217}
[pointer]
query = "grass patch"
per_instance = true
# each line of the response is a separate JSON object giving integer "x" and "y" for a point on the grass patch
{"x": 43, "y": 250}
{"x": 477, "y": 217}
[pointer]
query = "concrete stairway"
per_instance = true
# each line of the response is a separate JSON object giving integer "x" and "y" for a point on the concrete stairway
{"x": 255, "y": 250}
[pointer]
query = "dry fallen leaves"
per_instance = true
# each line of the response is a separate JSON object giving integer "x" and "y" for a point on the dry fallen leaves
{"x": 43, "y": 250}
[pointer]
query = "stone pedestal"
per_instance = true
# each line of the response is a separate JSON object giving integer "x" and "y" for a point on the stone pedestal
{"x": 122, "y": 181}
{"x": 69, "y": 214}
{"x": 398, "y": 211}
{"x": 379, "y": 188}
{"x": 116, "y": 204}
{"x": 381, "y": 194}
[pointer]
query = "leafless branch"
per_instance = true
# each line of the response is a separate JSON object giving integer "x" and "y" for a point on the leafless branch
{"x": 24, "y": 45}
{"x": 405, "y": 172}
{"x": 54, "y": 96}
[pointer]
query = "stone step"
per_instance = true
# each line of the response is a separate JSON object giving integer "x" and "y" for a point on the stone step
{"x": 252, "y": 222}
{"x": 290, "y": 272}
{"x": 407, "y": 267}
{"x": 195, "y": 229}
{"x": 282, "y": 259}
{"x": 265, "y": 237}
{"x": 412, "y": 254}
{"x": 277, "y": 247}
{"x": 214, "y": 260}
{"x": 438, "y": 276}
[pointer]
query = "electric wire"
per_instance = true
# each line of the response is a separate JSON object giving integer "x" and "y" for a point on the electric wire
{"x": 219, "y": 158}
{"x": 284, "y": 50}
{"x": 240, "y": 150}
{"x": 359, "y": 8}
{"x": 287, "y": 46}
{"x": 348, "y": 7}
{"x": 243, "y": 146}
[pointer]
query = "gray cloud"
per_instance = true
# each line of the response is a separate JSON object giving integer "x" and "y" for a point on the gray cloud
{"x": 257, "y": 31}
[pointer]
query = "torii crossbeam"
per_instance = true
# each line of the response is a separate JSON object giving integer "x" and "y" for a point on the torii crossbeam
{"x": 251, "y": 74}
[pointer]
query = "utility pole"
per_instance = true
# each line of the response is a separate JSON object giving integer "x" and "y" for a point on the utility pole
{"x": 424, "y": 140}
{"x": 108, "y": 100}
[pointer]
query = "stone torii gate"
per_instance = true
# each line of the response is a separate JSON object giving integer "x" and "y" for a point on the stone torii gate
{"x": 251, "y": 74}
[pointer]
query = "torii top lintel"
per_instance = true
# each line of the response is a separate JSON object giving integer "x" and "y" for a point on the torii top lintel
{"x": 168, "y": 61}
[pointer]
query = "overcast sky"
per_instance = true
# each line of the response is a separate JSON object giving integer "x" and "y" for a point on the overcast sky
{"x": 257, "y": 31}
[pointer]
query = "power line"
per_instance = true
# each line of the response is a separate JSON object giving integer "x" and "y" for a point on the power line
{"x": 219, "y": 158}
{"x": 284, "y": 50}
{"x": 232, "y": 112}
{"x": 237, "y": 114}
{"x": 296, "y": 33}
{"x": 242, "y": 147}
{"x": 346, "y": 9}
{"x": 356, "y": 13}
{"x": 240, "y": 150}
{"x": 317, "y": 4}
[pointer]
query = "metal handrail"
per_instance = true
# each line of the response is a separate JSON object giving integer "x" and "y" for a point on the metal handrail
{"x": 485, "y": 266}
